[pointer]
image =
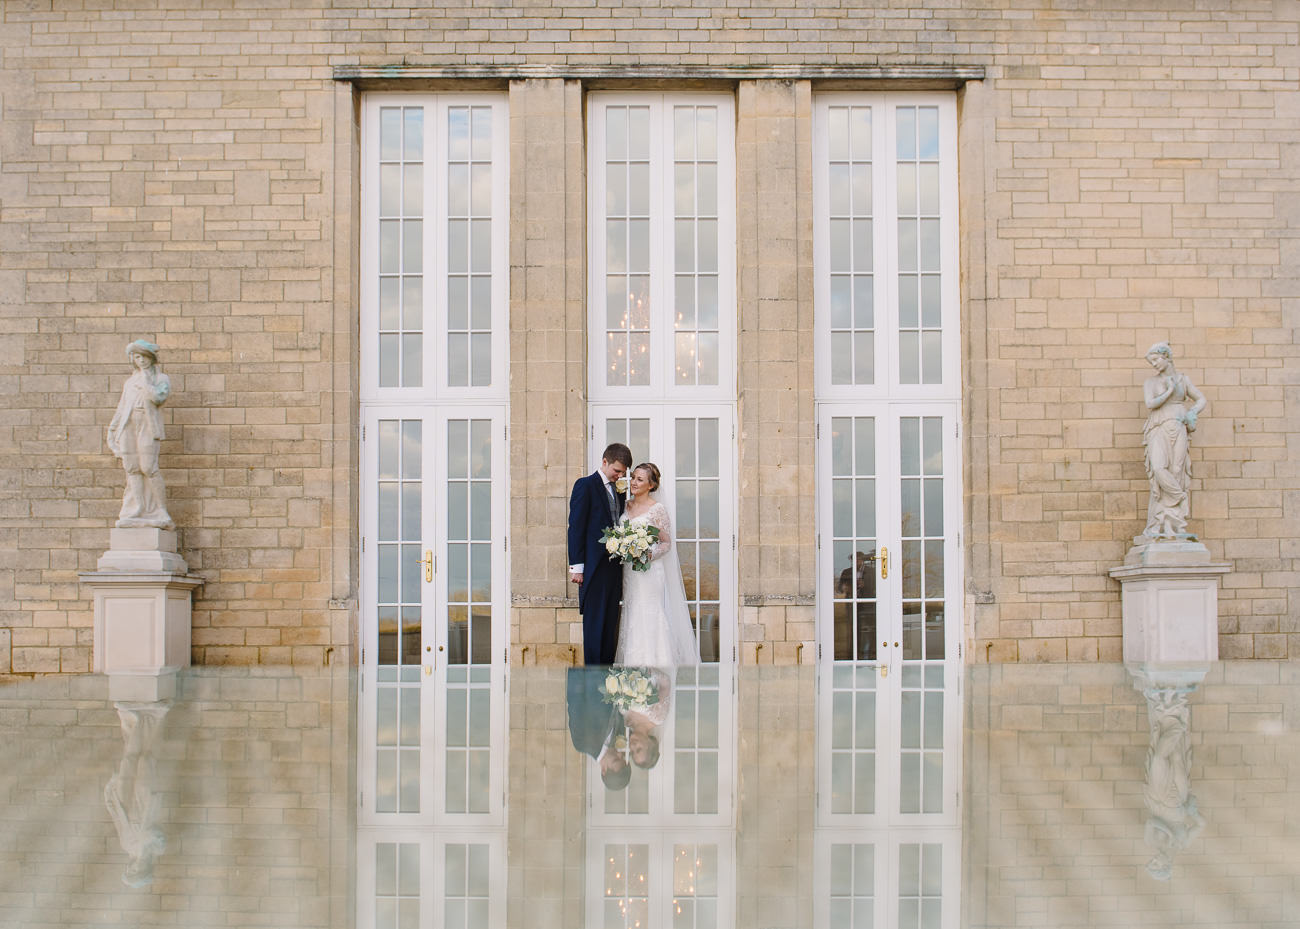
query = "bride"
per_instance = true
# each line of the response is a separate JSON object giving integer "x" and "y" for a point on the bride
{"x": 656, "y": 624}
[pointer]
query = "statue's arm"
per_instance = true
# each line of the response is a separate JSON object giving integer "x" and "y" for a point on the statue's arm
{"x": 1153, "y": 393}
{"x": 1189, "y": 418}
{"x": 162, "y": 388}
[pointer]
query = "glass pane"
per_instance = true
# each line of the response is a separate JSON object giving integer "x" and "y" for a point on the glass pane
{"x": 411, "y": 511}
{"x": 480, "y": 183}
{"x": 906, "y": 132}
{"x": 616, "y": 133}
{"x": 458, "y": 133}
{"x": 841, "y": 358}
{"x": 907, "y": 189}
{"x": 412, "y": 360}
{"x": 864, "y": 358}
{"x": 928, "y": 132}
{"x": 706, "y": 133}
{"x": 837, "y": 124}
{"x": 412, "y": 246}
{"x": 390, "y": 133}
{"x": 908, "y": 314}
{"x": 412, "y": 303}
{"x": 931, "y": 301}
{"x": 928, "y": 188}
{"x": 931, "y": 357}
{"x": 390, "y": 189}
{"x": 841, "y": 302}
{"x": 389, "y": 297}
{"x": 481, "y": 245}
{"x": 864, "y": 313}
{"x": 413, "y": 190}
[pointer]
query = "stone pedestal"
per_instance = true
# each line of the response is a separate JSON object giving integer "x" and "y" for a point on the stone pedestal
{"x": 142, "y": 593}
{"x": 1170, "y": 592}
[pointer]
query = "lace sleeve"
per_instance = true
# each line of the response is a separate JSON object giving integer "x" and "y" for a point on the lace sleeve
{"x": 658, "y": 517}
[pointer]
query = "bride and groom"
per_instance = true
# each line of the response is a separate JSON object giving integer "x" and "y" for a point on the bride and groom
{"x": 653, "y": 624}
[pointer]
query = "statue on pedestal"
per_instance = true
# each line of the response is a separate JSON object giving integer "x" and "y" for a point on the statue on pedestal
{"x": 1174, "y": 404}
{"x": 134, "y": 435}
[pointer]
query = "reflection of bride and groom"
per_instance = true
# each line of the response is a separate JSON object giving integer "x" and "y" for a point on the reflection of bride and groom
{"x": 652, "y": 626}
{"x": 615, "y": 716}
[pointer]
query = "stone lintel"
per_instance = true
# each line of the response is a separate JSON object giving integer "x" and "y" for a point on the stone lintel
{"x": 920, "y": 76}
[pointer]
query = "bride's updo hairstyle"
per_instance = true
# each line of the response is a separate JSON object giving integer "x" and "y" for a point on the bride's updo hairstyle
{"x": 652, "y": 472}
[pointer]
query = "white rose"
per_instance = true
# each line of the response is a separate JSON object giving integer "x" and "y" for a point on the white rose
{"x": 611, "y": 546}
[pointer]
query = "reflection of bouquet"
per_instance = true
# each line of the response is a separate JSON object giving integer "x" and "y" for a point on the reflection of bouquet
{"x": 629, "y": 689}
{"x": 630, "y": 544}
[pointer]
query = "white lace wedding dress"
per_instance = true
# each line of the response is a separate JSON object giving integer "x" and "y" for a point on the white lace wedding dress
{"x": 655, "y": 627}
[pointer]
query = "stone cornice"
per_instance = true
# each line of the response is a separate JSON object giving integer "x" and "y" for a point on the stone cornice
{"x": 933, "y": 76}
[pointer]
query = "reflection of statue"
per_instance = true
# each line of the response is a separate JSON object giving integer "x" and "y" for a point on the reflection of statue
{"x": 134, "y": 435}
{"x": 129, "y": 795}
{"x": 1173, "y": 819}
{"x": 1167, "y": 396}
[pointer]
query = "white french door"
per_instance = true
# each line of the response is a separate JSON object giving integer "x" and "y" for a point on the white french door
{"x": 694, "y": 448}
{"x": 433, "y": 678}
{"x": 433, "y": 590}
{"x": 888, "y": 701}
{"x": 889, "y": 568}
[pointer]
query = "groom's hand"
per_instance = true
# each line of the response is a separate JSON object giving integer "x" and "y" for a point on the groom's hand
{"x": 575, "y": 576}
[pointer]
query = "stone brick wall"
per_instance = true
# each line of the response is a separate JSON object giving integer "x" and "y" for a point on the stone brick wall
{"x": 189, "y": 175}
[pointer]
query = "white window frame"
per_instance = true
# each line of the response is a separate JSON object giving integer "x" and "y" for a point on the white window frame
{"x": 434, "y": 263}
{"x": 661, "y": 387}
{"x": 885, "y": 247}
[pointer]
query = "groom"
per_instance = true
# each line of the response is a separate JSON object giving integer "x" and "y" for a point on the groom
{"x": 595, "y": 505}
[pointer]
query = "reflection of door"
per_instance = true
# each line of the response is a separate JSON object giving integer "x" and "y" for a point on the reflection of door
{"x": 662, "y": 850}
{"x": 890, "y": 646}
{"x": 903, "y": 878}
{"x": 432, "y": 722}
{"x": 413, "y": 878}
{"x": 693, "y": 447}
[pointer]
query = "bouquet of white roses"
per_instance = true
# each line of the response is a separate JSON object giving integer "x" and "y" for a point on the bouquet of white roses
{"x": 629, "y": 689}
{"x": 630, "y": 544}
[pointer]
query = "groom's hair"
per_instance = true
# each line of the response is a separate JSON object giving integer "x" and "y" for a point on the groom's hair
{"x": 618, "y": 452}
{"x": 617, "y": 778}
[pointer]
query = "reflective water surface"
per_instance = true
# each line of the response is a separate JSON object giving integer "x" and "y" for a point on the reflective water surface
{"x": 1062, "y": 796}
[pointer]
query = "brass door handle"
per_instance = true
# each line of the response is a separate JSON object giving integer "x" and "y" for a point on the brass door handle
{"x": 884, "y": 562}
{"x": 427, "y": 561}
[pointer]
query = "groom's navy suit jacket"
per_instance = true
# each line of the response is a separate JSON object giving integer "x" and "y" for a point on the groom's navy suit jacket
{"x": 591, "y": 719}
{"x": 602, "y": 579}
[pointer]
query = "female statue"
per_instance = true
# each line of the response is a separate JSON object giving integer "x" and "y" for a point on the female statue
{"x": 1174, "y": 403}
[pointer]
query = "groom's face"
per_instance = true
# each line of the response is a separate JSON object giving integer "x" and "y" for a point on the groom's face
{"x": 612, "y": 470}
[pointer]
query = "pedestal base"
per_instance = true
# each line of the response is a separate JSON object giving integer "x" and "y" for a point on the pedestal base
{"x": 142, "y": 627}
{"x": 1170, "y": 592}
{"x": 149, "y": 550}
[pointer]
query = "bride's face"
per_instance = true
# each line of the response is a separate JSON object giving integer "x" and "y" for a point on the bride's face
{"x": 638, "y": 483}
